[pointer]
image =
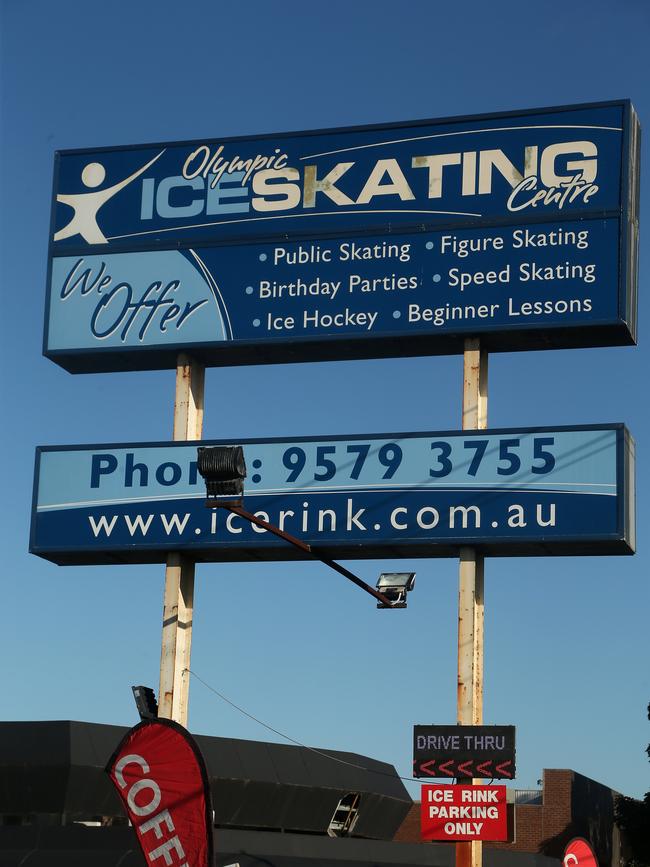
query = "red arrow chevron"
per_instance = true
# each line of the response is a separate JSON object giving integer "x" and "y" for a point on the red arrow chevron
{"x": 500, "y": 770}
{"x": 445, "y": 768}
{"x": 424, "y": 768}
{"x": 463, "y": 769}
{"x": 485, "y": 769}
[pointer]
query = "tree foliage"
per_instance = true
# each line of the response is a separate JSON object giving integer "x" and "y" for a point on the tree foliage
{"x": 633, "y": 818}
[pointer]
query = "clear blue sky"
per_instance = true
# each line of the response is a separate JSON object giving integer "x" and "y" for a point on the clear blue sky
{"x": 566, "y": 638}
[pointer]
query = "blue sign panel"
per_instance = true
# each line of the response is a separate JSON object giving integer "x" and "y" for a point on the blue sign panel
{"x": 519, "y": 491}
{"x": 417, "y": 285}
{"x": 520, "y": 228}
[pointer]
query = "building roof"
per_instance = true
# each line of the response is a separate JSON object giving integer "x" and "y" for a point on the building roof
{"x": 77, "y": 846}
{"x": 58, "y": 768}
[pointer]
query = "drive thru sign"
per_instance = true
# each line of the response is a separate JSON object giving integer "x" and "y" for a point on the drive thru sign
{"x": 454, "y": 813}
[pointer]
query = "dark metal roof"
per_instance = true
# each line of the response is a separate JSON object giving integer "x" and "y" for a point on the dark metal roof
{"x": 77, "y": 846}
{"x": 58, "y": 767}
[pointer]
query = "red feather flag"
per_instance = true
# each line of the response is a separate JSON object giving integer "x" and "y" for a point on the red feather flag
{"x": 579, "y": 853}
{"x": 161, "y": 778}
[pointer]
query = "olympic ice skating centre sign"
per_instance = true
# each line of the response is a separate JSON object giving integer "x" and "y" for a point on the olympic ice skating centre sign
{"x": 520, "y": 228}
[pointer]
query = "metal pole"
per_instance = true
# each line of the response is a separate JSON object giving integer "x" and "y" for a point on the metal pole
{"x": 303, "y": 546}
{"x": 470, "y": 584}
{"x": 178, "y": 607}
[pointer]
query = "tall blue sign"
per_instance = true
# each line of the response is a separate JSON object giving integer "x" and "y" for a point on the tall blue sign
{"x": 348, "y": 243}
{"x": 567, "y": 490}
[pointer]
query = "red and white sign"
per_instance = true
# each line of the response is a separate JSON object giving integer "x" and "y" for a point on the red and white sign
{"x": 160, "y": 776}
{"x": 579, "y": 853}
{"x": 464, "y": 813}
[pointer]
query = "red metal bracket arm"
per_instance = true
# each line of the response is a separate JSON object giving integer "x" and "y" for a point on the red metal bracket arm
{"x": 307, "y": 549}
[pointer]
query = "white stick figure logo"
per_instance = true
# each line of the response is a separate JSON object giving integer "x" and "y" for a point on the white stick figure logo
{"x": 86, "y": 205}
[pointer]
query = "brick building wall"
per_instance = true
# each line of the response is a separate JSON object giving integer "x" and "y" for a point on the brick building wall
{"x": 409, "y": 830}
{"x": 546, "y": 828}
{"x": 572, "y": 806}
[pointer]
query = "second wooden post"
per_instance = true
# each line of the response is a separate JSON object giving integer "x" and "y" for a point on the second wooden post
{"x": 178, "y": 608}
{"x": 470, "y": 584}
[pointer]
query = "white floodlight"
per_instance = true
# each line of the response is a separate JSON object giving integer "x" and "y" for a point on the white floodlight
{"x": 395, "y": 586}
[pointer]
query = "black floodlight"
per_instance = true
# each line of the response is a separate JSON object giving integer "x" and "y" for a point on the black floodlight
{"x": 395, "y": 586}
{"x": 145, "y": 701}
{"x": 224, "y": 471}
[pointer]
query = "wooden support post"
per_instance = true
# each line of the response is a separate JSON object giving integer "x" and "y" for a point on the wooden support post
{"x": 470, "y": 584}
{"x": 178, "y": 605}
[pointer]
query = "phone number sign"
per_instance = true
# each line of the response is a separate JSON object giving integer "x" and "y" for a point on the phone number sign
{"x": 516, "y": 491}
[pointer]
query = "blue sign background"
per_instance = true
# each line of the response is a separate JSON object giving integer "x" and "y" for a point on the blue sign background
{"x": 130, "y": 215}
{"x": 543, "y": 490}
{"x": 165, "y": 243}
{"x": 549, "y": 276}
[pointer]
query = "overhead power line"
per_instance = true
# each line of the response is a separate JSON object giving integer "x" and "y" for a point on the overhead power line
{"x": 294, "y": 741}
